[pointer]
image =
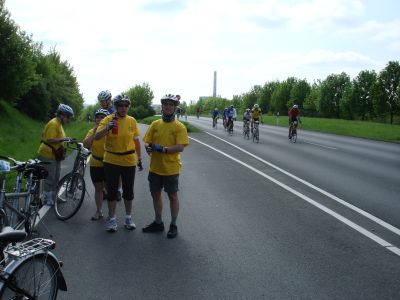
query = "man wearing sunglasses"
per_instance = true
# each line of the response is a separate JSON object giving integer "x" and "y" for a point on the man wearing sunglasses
{"x": 121, "y": 155}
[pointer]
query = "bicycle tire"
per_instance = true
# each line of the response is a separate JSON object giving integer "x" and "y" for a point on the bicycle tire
{"x": 35, "y": 275}
{"x": 256, "y": 137}
{"x": 294, "y": 137}
{"x": 69, "y": 196}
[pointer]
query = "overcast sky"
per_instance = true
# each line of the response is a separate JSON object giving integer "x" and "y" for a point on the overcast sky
{"x": 176, "y": 45}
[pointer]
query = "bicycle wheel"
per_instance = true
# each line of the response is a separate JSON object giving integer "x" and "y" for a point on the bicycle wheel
{"x": 36, "y": 276}
{"x": 294, "y": 136}
{"x": 256, "y": 136}
{"x": 69, "y": 196}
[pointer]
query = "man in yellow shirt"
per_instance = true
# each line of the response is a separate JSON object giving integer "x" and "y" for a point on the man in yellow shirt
{"x": 121, "y": 155}
{"x": 52, "y": 137}
{"x": 164, "y": 140}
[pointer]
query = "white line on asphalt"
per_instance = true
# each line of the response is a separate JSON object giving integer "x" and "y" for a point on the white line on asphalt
{"x": 346, "y": 221}
{"x": 333, "y": 197}
{"x": 319, "y": 145}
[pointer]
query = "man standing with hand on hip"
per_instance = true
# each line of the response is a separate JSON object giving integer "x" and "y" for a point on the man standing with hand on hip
{"x": 164, "y": 140}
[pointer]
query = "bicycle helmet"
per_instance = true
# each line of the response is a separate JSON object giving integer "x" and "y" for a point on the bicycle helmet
{"x": 104, "y": 95}
{"x": 170, "y": 97}
{"x": 121, "y": 99}
{"x": 101, "y": 111}
{"x": 256, "y": 105}
{"x": 295, "y": 106}
{"x": 231, "y": 106}
{"x": 65, "y": 110}
{"x": 247, "y": 109}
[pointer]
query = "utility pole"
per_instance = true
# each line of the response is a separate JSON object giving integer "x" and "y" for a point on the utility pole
{"x": 215, "y": 85}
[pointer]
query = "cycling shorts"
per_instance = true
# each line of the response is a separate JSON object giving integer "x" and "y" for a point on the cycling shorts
{"x": 97, "y": 174}
{"x": 158, "y": 182}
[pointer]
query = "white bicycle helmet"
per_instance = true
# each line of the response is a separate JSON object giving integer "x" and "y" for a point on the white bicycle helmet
{"x": 295, "y": 106}
{"x": 256, "y": 105}
{"x": 101, "y": 111}
{"x": 104, "y": 95}
{"x": 170, "y": 97}
{"x": 65, "y": 110}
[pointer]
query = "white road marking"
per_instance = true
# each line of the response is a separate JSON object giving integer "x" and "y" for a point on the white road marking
{"x": 319, "y": 145}
{"x": 339, "y": 217}
{"x": 333, "y": 197}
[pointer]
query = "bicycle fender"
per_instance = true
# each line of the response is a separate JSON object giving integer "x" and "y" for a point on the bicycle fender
{"x": 61, "y": 283}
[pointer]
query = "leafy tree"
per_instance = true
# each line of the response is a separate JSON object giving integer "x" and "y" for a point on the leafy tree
{"x": 251, "y": 97}
{"x": 141, "y": 97}
{"x": 16, "y": 64}
{"x": 299, "y": 92}
{"x": 265, "y": 95}
{"x": 331, "y": 92}
{"x": 386, "y": 91}
{"x": 281, "y": 95}
{"x": 310, "y": 103}
{"x": 357, "y": 99}
{"x": 55, "y": 84}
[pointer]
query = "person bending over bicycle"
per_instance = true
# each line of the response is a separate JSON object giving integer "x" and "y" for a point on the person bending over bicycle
{"x": 52, "y": 137}
{"x": 294, "y": 115}
{"x": 256, "y": 115}
{"x": 96, "y": 162}
{"x": 231, "y": 115}
{"x": 215, "y": 116}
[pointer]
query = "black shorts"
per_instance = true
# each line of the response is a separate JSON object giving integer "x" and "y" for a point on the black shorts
{"x": 169, "y": 183}
{"x": 113, "y": 173}
{"x": 97, "y": 174}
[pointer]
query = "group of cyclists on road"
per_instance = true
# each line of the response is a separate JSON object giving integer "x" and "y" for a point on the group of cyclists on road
{"x": 116, "y": 153}
{"x": 251, "y": 117}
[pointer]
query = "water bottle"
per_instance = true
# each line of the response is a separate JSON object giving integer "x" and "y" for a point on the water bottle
{"x": 114, "y": 130}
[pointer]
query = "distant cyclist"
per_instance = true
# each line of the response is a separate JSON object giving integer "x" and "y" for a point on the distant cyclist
{"x": 215, "y": 116}
{"x": 247, "y": 116}
{"x": 256, "y": 115}
{"x": 104, "y": 98}
{"x": 231, "y": 115}
{"x": 225, "y": 117}
{"x": 294, "y": 115}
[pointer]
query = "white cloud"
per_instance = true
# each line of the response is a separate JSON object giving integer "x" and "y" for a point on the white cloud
{"x": 176, "y": 45}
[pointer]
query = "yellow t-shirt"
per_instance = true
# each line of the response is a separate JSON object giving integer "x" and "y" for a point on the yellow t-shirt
{"x": 166, "y": 134}
{"x": 121, "y": 142}
{"x": 97, "y": 150}
{"x": 53, "y": 129}
{"x": 255, "y": 112}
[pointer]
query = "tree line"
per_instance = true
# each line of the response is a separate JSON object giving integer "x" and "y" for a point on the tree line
{"x": 369, "y": 96}
{"x": 33, "y": 82}
{"x": 36, "y": 83}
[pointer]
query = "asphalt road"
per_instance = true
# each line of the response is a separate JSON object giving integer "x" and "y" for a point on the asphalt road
{"x": 263, "y": 224}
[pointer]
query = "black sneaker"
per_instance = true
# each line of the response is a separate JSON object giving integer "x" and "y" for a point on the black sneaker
{"x": 154, "y": 227}
{"x": 172, "y": 232}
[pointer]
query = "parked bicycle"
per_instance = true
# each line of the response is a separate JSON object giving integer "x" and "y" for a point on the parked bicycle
{"x": 28, "y": 270}
{"x": 256, "y": 132}
{"x": 21, "y": 208}
{"x": 246, "y": 129}
{"x": 293, "y": 132}
{"x": 71, "y": 188}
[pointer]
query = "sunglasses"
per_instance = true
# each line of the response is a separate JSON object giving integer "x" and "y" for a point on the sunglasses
{"x": 123, "y": 105}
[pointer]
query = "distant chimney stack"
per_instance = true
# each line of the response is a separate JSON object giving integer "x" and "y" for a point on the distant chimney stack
{"x": 215, "y": 85}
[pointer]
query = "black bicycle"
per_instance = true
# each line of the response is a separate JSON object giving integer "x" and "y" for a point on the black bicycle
{"x": 28, "y": 270}
{"x": 21, "y": 207}
{"x": 71, "y": 188}
{"x": 256, "y": 132}
{"x": 293, "y": 132}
